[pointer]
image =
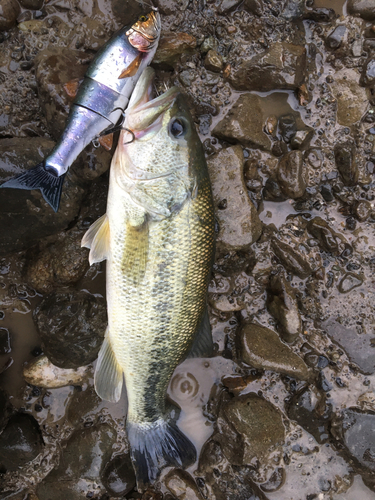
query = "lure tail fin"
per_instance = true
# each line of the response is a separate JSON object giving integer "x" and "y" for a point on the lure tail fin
{"x": 39, "y": 178}
{"x": 156, "y": 445}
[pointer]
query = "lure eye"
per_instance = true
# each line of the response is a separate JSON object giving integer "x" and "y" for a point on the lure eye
{"x": 143, "y": 19}
{"x": 177, "y": 128}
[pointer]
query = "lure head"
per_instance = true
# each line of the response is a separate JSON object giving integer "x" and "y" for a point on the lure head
{"x": 145, "y": 33}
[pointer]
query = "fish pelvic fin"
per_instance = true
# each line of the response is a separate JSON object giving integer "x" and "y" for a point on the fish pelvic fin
{"x": 154, "y": 445}
{"x": 39, "y": 178}
{"x": 96, "y": 239}
{"x": 108, "y": 376}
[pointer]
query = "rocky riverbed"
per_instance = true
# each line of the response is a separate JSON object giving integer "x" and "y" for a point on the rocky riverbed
{"x": 283, "y": 95}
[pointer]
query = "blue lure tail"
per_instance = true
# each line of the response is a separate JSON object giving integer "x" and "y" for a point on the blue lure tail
{"x": 39, "y": 178}
{"x": 156, "y": 445}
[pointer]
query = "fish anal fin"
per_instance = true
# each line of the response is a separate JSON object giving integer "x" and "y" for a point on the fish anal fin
{"x": 71, "y": 87}
{"x": 202, "y": 344}
{"x": 106, "y": 141}
{"x": 39, "y": 178}
{"x": 96, "y": 239}
{"x": 108, "y": 376}
{"x": 135, "y": 251}
{"x": 132, "y": 69}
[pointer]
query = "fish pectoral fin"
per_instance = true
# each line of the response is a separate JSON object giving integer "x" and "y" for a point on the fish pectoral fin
{"x": 97, "y": 239}
{"x": 132, "y": 69}
{"x": 108, "y": 376}
{"x": 203, "y": 345}
{"x": 135, "y": 251}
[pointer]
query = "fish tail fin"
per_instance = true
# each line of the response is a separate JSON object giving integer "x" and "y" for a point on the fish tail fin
{"x": 156, "y": 445}
{"x": 39, "y": 178}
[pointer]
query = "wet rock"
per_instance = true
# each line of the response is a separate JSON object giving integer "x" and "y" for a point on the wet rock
{"x": 326, "y": 192}
{"x": 125, "y": 11}
{"x": 287, "y": 127}
{"x": 262, "y": 348}
{"x": 362, "y": 8}
{"x": 290, "y": 259}
{"x": 218, "y": 479}
{"x": 239, "y": 223}
{"x": 42, "y": 373}
{"x": 6, "y": 409}
{"x": 60, "y": 264}
{"x": 358, "y": 434}
{"x": 282, "y": 66}
{"x": 254, "y": 7}
{"x": 171, "y": 47}
{"x": 118, "y": 476}
{"x": 259, "y": 427}
{"x": 242, "y": 123}
{"x": 226, "y": 303}
{"x": 348, "y": 282}
{"x": 363, "y": 210}
{"x": 26, "y": 216}
{"x": 20, "y": 442}
{"x": 31, "y": 4}
{"x": 83, "y": 408}
{"x": 368, "y": 74}
{"x": 352, "y": 101}
{"x": 290, "y": 174}
{"x": 209, "y": 43}
{"x": 83, "y": 459}
{"x": 276, "y": 480}
{"x": 228, "y": 5}
{"x": 346, "y": 163}
{"x": 330, "y": 240}
{"x": 320, "y": 15}
{"x": 309, "y": 409}
{"x": 293, "y": 9}
{"x": 4, "y": 341}
{"x": 213, "y": 61}
{"x": 336, "y": 37}
{"x": 181, "y": 484}
{"x": 272, "y": 191}
{"x": 282, "y": 304}
{"x": 9, "y": 11}
{"x": 71, "y": 326}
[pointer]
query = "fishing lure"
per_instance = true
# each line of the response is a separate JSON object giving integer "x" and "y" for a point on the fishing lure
{"x": 101, "y": 100}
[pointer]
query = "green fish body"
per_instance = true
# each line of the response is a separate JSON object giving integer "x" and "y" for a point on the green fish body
{"x": 158, "y": 239}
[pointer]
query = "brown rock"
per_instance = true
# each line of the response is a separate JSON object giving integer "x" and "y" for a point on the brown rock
{"x": 171, "y": 47}
{"x": 213, "y": 61}
{"x": 290, "y": 174}
{"x": 181, "y": 484}
{"x": 9, "y": 11}
{"x": 362, "y": 8}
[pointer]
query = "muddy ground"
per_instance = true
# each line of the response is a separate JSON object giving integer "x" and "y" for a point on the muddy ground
{"x": 283, "y": 95}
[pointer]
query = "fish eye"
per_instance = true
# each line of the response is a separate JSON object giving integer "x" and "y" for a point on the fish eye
{"x": 143, "y": 19}
{"x": 177, "y": 128}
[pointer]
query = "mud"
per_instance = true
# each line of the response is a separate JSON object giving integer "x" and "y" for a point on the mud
{"x": 283, "y": 96}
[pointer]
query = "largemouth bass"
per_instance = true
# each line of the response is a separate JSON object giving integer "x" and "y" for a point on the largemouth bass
{"x": 158, "y": 239}
{"x": 101, "y": 100}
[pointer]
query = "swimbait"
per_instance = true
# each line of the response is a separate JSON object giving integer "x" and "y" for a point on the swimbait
{"x": 99, "y": 104}
{"x": 158, "y": 239}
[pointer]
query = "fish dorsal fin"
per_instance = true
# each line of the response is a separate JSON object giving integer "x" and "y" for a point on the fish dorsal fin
{"x": 97, "y": 239}
{"x": 132, "y": 69}
{"x": 203, "y": 344}
{"x": 108, "y": 376}
{"x": 135, "y": 251}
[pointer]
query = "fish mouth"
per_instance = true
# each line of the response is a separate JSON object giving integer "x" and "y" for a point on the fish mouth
{"x": 145, "y": 33}
{"x": 143, "y": 111}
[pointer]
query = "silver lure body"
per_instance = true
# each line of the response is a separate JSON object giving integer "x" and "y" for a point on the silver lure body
{"x": 101, "y": 99}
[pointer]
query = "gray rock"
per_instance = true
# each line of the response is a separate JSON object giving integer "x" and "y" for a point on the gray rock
{"x": 213, "y": 61}
{"x": 118, "y": 476}
{"x": 362, "y": 8}
{"x": 85, "y": 456}
{"x": 349, "y": 282}
{"x": 368, "y": 74}
{"x": 181, "y": 484}
{"x": 263, "y": 349}
{"x": 309, "y": 409}
{"x": 358, "y": 434}
{"x": 244, "y": 123}
{"x": 330, "y": 240}
{"x": 282, "y": 304}
{"x": 24, "y": 215}
{"x": 336, "y": 37}
{"x": 259, "y": 427}
{"x": 72, "y": 327}
{"x": 291, "y": 259}
{"x": 291, "y": 175}
{"x": 293, "y": 9}
{"x": 9, "y": 11}
{"x": 239, "y": 223}
{"x": 20, "y": 442}
{"x": 282, "y": 66}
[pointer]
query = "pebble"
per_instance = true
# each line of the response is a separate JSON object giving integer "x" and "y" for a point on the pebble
{"x": 282, "y": 304}
{"x": 349, "y": 282}
{"x": 263, "y": 349}
{"x": 228, "y": 5}
{"x": 9, "y": 11}
{"x": 291, "y": 259}
{"x": 291, "y": 174}
{"x": 31, "y": 4}
{"x": 182, "y": 485}
{"x": 352, "y": 101}
{"x": 20, "y": 442}
{"x": 118, "y": 476}
{"x": 42, "y": 373}
{"x": 213, "y": 61}
{"x": 71, "y": 326}
{"x": 362, "y": 8}
{"x": 171, "y": 47}
{"x": 282, "y": 66}
{"x": 276, "y": 480}
{"x": 239, "y": 223}
{"x": 346, "y": 163}
{"x": 336, "y": 37}
{"x": 330, "y": 240}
